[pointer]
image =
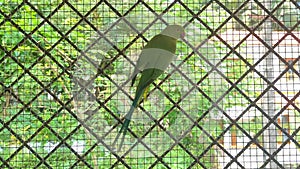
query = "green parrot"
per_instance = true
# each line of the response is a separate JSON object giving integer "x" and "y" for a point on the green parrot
{"x": 153, "y": 61}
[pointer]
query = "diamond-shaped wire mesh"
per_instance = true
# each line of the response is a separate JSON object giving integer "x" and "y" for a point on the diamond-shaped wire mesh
{"x": 230, "y": 99}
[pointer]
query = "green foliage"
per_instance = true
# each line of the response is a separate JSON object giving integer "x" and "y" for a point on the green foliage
{"x": 55, "y": 61}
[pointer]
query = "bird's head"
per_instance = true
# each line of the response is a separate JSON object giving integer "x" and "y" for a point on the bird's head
{"x": 175, "y": 31}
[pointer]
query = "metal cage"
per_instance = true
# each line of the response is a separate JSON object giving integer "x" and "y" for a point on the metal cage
{"x": 229, "y": 100}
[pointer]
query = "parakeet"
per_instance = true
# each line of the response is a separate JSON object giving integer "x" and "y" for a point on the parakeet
{"x": 153, "y": 61}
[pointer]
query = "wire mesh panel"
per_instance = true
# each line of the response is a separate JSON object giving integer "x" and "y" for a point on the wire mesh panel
{"x": 230, "y": 98}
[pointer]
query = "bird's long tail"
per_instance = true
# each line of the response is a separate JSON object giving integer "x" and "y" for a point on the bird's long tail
{"x": 124, "y": 128}
{"x": 128, "y": 116}
{"x": 143, "y": 84}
